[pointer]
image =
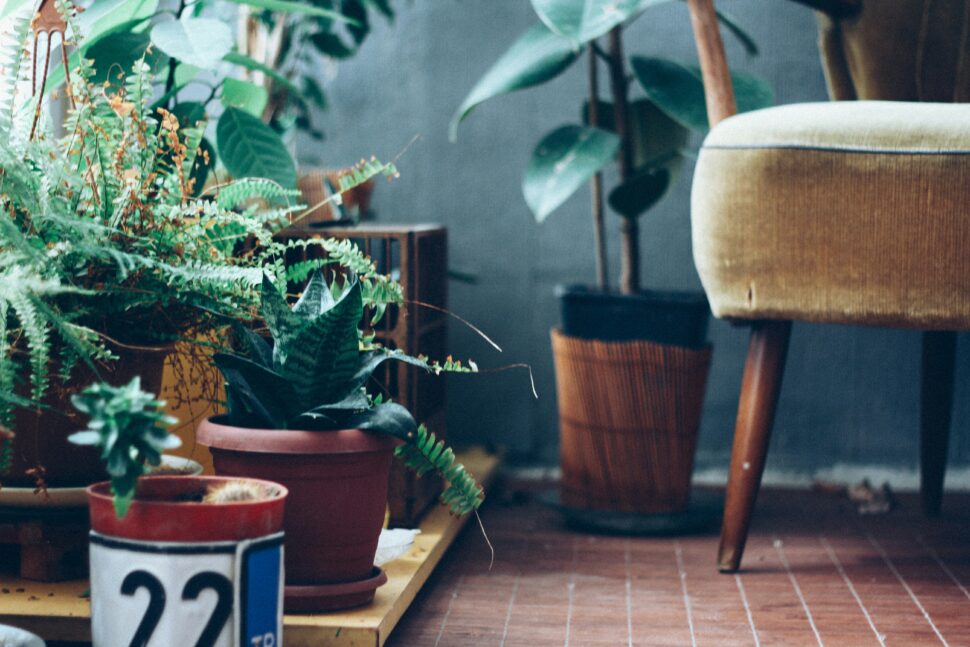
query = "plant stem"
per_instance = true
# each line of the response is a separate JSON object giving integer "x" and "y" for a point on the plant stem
{"x": 629, "y": 228}
{"x": 599, "y": 236}
{"x": 172, "y": 63}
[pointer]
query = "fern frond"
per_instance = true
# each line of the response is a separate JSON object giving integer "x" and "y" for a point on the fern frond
{"x": 424, "y": 453}
{"x": 11, "y": 61}
{"x": 251, "y": 188}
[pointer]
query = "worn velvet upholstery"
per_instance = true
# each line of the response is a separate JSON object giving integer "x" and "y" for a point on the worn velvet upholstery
{"x": 850, "y": 211}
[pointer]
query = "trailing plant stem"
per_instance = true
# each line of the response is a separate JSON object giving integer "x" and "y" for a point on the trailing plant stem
{"x": 599, "y": 237}
{"x": 629, "y": 230}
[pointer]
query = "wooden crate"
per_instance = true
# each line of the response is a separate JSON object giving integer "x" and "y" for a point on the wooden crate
{"x": 418, "y": 255}
{"x": 47, "y": 545}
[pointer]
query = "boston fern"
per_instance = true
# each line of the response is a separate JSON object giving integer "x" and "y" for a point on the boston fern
{"x": 315, "y": 374}
{"x": 109, "y": 239}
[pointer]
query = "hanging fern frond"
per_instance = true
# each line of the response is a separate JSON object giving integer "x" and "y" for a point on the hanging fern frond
{"x": 246, "y": 189}
{"x": 424, "y": 453}
{"x": 11, "y": 60}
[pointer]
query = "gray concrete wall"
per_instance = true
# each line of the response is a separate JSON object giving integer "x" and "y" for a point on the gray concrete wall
{"x": 850, "y": 395}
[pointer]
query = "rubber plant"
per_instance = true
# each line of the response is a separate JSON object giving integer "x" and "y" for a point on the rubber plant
{"x": 315, "y": 376}
{"x": 644, "y": 134}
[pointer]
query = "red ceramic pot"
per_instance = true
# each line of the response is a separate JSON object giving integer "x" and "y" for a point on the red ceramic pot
{"x": 337, "y": 482}
{"x": 42, "y": 434}
{"x": 180, "y": 554}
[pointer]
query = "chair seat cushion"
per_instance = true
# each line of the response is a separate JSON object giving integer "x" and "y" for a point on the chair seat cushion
{"x": 847, "y": 212}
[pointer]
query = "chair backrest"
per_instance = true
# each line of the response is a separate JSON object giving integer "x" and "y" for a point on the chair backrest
{"x": 718, "y": 90}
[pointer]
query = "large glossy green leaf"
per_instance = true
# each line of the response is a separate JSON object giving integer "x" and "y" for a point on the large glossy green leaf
{"x": 678, "y": 90}
{"x": 537, "y": 56}
{"x": 115, "y": 55}
{"x": 252, "y": 64}
{"x": 584, "y": 20}
{"x": 12, "y": 6}
{"x": 562, "y": 162}
{"x": 105, "y": 15}
{"x": 331, "y": 45}
{"x": 261, "y": 389}
{"x": 250, "y": 148}
{"x": 736, "y": 30}
{"x": 244, "y": 95}
{"x": 286, "y": 6}
{"x": 201, "y": 42}
{"x": 656, "y": 138}
{"x": 635, "y": 196}
{"x": 389, "y": 418}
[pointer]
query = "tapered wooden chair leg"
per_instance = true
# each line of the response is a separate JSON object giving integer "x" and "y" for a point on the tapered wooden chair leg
{"x": 760, "y": 387}
{"x": 936, "y": 405}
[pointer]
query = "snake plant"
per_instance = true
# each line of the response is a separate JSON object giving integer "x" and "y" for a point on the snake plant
{"x": 315, "y": 374}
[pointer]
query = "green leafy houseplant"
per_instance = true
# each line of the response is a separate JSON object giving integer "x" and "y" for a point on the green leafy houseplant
{"x": 637, "y": 457}
{"x": 106, "y": 245}
{"x": 644, "y": 135}
{"x": 255, "y": 83}
{"x": 314, "y": 377}
{"x": 131, "y": 430}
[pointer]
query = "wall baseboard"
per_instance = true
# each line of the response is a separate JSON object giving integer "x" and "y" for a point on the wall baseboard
{"x": 899, "y": 479}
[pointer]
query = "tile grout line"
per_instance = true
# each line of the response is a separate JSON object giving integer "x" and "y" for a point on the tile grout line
{"x": 629, "y": 594}
{"x": 508, "y": 614}
{"x": 571, "y": 588}
{"x": 515, "y": 591}
{"x": 912, "y": 595}
{"x": 845, "y": 578}
{"x": 780, "y": 548}
{"x": 747, "y": 610}
{"x": 946, "y": 569}
{"x": 451, "y": 602}
{"x": 683, "y": 587}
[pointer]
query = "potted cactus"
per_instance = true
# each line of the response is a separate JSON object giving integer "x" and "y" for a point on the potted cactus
{"x": 175, "y": 537}
{"x": 299, "y": 413}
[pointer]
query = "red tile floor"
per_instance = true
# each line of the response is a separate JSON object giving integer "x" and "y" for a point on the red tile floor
{"x": 815, "y": 573}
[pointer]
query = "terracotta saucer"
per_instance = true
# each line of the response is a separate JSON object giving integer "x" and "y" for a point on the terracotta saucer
{"x": 331, "y": 597}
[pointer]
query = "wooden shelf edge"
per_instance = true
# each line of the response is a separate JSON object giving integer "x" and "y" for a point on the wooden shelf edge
{"x": 371, "y": 626}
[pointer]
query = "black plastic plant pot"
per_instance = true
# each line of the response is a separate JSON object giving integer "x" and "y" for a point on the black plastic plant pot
{"x": 663, "y": 317}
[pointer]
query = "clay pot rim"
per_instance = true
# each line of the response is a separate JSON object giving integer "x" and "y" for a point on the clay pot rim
{"x": 215, "y": 433}
{"x": 187, "y": 521}
{"x": 101, "y": 491}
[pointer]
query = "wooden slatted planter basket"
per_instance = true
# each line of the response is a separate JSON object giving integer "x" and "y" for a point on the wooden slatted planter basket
{"x": 629, "y": 414}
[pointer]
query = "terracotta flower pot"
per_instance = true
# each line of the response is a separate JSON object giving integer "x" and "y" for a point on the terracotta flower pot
{"x": 176, "y": 570}
{"x": 338, "y": 494}
{"x": 41, "y": 435}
